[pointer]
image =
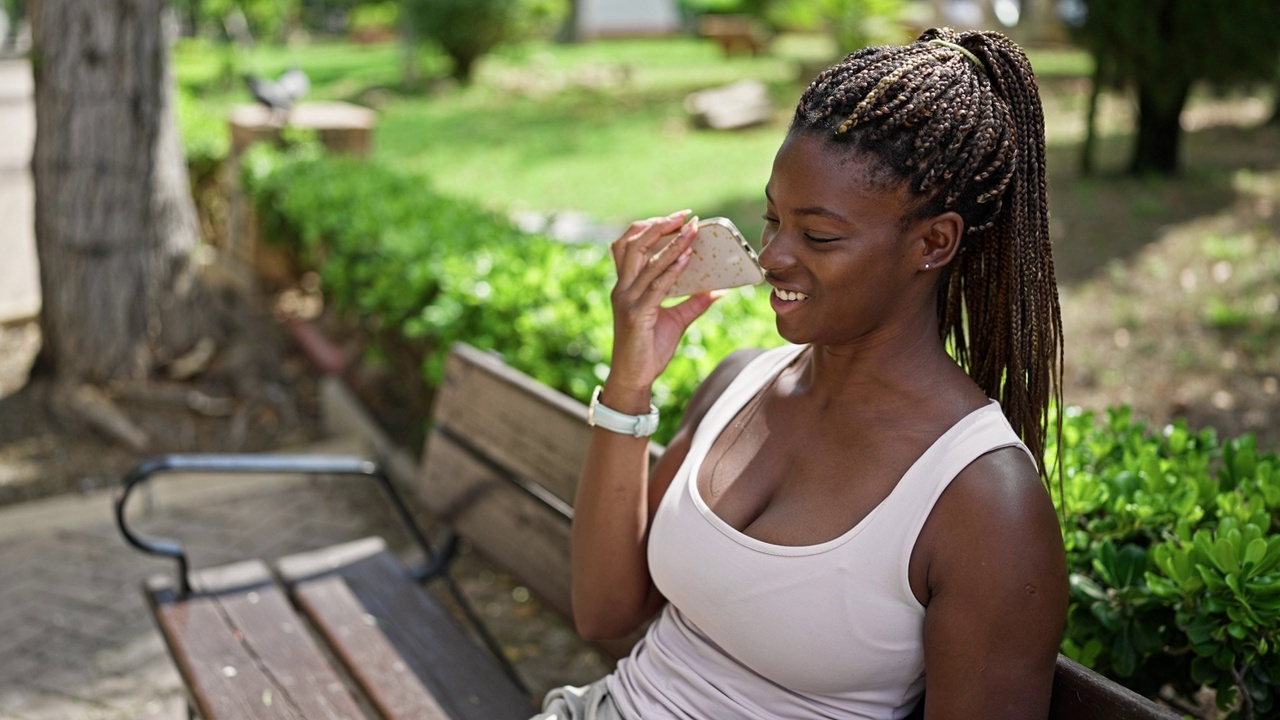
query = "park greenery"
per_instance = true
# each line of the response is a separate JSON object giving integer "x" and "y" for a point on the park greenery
{"x": 1172, "y": 534}
{"x": 1163, "y": 48}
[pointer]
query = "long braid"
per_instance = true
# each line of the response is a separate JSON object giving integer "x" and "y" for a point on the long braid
{"x": 957, "y": 117}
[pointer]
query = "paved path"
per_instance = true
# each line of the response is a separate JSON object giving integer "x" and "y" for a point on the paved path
{"x": 19, "y": 279}
{"x": 75, "y": 638}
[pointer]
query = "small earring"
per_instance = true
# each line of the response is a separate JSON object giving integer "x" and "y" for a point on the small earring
{"x": 926, "y": 266}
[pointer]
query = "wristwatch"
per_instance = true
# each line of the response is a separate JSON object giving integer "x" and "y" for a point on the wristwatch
{"x": 606, "y": 417}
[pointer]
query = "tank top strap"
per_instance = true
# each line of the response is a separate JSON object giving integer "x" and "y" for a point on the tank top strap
{"x": 911, "y": 502}
{"x": 750, "y": 380}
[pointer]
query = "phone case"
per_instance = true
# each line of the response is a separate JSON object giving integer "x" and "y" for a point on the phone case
{"x": 721, "y": 259}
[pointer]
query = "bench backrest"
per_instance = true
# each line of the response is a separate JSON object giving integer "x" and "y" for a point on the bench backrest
{"x": 501, "y": 466}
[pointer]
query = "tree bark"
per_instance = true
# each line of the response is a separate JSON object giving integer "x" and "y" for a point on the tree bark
{"x": 1159, "y": 127}
{"x": 114, "y": 219}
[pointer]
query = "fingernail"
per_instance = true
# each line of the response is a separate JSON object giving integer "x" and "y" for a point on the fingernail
{"x": 678, "y": 213}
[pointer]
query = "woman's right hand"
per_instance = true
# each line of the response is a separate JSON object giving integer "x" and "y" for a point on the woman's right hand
{"x": 645, "y": 334}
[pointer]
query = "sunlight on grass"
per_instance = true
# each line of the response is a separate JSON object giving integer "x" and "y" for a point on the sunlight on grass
{"x": 596, "y": 127}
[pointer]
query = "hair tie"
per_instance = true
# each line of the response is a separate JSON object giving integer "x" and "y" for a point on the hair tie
{"x": 960, "y": 49}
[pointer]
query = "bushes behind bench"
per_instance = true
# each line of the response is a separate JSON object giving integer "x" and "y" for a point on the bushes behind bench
{"x": 415, "y": 267}
{"x": 1171, "y": 535}
{"x": 1172, "y": 539}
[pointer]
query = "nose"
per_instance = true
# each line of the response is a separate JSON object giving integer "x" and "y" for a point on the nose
{"x": 776, "y": 251}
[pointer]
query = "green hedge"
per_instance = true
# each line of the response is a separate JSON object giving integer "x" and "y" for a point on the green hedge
{"x": 413, "y": 266}
{"x": 1172, "y": 541}
{"x": 1171, "y": 535}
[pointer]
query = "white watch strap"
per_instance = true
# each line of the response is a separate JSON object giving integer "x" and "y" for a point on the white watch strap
{"x": 599, "y": 415}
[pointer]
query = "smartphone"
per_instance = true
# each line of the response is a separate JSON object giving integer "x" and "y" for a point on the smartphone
{"x": 722, "y": 258}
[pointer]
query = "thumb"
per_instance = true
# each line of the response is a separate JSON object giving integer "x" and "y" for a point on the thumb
{"x": 694, "y": 306}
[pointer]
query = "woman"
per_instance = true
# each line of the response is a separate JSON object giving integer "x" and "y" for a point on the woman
{"x": 860, "y": 518}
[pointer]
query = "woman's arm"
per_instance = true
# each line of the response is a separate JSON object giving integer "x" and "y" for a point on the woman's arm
{"x": 997, "y": 583}
{"x": 613, "y": 592}
{"x": 611, "y": 587}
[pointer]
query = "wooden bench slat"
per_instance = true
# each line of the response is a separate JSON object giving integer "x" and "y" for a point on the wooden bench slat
{"x": 454, "y": 670}
{"x": 1081, "y": 694}
{"x": 244, "y": 652}
{"x": 369, "y": 656}
{"x": 529, "y": 429}
{"x": 475, "y": 500}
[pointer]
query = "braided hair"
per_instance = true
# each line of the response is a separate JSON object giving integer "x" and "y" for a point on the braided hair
{"x": 956, "y": 118}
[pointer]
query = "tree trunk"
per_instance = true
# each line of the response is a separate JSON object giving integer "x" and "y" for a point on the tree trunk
{"x": 1159, "y": 127}
{"x": 1091, "y": 122}
{"x": 1274, "y": 120}
{"x": 568, "y": 33}
{"x": 114, "y": 219}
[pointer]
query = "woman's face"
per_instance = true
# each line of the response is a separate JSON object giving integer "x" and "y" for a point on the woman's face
{"x": 843, "y": 264}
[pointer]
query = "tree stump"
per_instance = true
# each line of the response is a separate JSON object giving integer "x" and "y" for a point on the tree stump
{"x": 341, "y": 127}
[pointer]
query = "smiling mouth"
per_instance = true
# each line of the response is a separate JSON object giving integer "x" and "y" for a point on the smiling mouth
{"x": 789, "y": 296}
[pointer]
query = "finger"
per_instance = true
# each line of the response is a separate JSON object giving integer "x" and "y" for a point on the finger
{"x": 649, "y": 256}
{"x": 640, "y": 235}
{"x": 644, "y": 238}
{"x": 693, "y": 307}
{"x": 660, "y": 262}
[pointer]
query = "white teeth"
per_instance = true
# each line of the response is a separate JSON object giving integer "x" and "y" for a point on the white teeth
{"x": 788, "y": 295}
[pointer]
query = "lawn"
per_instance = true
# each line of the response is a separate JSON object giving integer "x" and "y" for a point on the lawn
{"x": 598, "y": 128}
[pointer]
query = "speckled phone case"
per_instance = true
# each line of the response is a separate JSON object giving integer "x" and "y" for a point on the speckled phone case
{"x": 721, "y": 259}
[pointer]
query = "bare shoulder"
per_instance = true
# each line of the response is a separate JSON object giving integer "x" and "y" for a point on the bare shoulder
{"x": 996, "y": 508}
{"x": 997, "y": 592}
{"x": 715, "y": 384}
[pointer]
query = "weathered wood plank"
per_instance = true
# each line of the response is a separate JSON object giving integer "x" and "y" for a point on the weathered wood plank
{"x": 1081, "y": 694}
{"x": 463, "y": 680}
{"x": 243, "y": 651}
{"x": 356, "y": 639}
{"x": 536, "y": 433}
{"x": 507, "y": 524}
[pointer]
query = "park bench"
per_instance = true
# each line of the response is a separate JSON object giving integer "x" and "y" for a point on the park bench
{"x": 350, "y": 632}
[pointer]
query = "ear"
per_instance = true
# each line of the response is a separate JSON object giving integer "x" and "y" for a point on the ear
{"x": 937, "y": 239}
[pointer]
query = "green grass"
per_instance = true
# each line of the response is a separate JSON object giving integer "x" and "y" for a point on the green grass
{"x": 596, "y": 127}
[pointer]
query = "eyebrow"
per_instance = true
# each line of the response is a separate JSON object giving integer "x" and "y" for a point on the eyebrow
{"x": 816, "y": 210}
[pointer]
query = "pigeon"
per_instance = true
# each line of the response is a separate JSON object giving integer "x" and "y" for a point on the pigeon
{"x": 279, "y": 96}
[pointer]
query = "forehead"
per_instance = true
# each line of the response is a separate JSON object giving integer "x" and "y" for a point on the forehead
{"x": 810, "y": 170}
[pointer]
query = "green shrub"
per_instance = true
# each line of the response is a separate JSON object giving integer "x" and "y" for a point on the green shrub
{"x": 418, "y": 269}
{"x": 466, "y": 30}
{"x": 374, "y": 15}
{"x": 1171, "y": 539}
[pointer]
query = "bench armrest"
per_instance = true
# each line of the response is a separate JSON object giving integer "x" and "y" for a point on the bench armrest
{"x": 268, "y": 463}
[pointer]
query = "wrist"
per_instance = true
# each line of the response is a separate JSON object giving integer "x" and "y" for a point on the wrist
{"x": 625, "y": 399}
{"x": 639, "y": 425}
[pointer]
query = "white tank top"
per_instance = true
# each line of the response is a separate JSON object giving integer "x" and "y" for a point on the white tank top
{"x": 756, "y": 630}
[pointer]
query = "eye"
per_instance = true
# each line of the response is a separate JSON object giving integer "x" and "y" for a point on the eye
{"x": 815, "y": 239}
{"x": 769, "y": 219}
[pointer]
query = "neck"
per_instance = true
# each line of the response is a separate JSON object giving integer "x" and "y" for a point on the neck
{"x": 895, "y": 367}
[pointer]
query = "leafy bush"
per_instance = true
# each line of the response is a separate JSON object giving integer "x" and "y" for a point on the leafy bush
{"x": 374, "y": 15}
{"x": 1175, "y": 561}
{"x": 466, "y": 38}
{"x": 416, "y": 268}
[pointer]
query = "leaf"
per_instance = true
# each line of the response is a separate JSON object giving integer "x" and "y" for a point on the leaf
{"x": 1224, "y": 555}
